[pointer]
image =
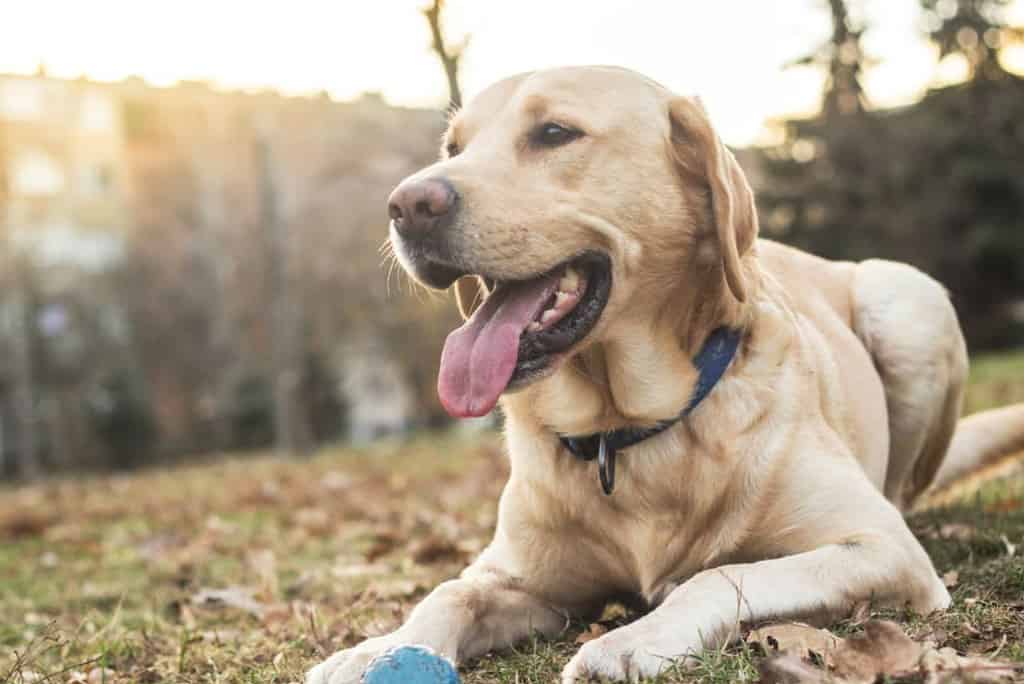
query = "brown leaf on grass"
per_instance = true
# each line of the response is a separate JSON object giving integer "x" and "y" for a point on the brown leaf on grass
{"x": 861, "y": 613}
{"x": 263, "y": 563}
{"x": 314, "y": 520}
{"x": 945, "y": 663}
{"x": 957, "y": 531}
{"x": 383, "y": 544}
{"x": 19, "y": 523}
{"x": 434, "y": 550}
{"x": 789, "y": 668}
{"x": 883, "y": 648}
{"x": 359, "y": 570}
{"x": 240, "y": 598}
{"x": 100, "y": 675}
{"x": 396, "y": 588}
{"x": 592, "y": 632}
{"x": 798, "y": 638}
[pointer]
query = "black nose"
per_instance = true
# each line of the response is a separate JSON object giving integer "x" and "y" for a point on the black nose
{"x": 419, "y": 206}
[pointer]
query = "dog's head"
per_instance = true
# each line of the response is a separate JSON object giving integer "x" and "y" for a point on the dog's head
{"x": 567, "y": 201}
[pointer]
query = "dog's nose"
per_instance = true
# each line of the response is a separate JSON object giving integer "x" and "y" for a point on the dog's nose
{"x": 420, "y": 206}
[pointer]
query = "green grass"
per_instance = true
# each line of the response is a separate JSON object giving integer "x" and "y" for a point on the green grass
{"x": 102, "y": 571}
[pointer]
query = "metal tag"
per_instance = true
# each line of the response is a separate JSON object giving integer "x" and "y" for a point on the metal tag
{"x": 606, "y": 465}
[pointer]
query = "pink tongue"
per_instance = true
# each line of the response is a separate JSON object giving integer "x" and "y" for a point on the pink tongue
{"x": 479, "y": 358}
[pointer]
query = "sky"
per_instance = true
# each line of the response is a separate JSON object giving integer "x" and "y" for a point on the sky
{"x": 731, "y": 52}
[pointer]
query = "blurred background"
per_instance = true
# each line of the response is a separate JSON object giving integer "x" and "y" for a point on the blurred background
{"x": 192, "y": 196}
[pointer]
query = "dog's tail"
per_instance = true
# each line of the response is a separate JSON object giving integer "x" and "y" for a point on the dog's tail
{"x": 982, "y": 439}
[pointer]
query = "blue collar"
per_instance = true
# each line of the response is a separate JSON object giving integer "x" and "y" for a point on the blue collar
{"x": 711, "y": 362}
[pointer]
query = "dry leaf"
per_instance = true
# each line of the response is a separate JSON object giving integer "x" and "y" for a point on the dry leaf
{"x": 23, "y": 523}
{"x": 789, "y": 668}
{"x": 798, "y": 638}
{"x": 861, "y": 613}
{"x": 882, "y": 651}
{"x": 99, "y": 675}
{"x": 946, "y": 661}
{"x": 313, "y": 520}
{"x": 264, "y": 563}
{"x": 359, "y": 570}
{"x": 232, "y": 597}
{"x": 957, "y": 531}
{"x": 434, "y": 550}
{"x": 883, "y": 648}
{"x": 594, "y": 631}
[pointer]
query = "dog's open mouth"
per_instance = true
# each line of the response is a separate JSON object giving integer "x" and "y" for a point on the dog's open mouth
{"x": 519, "y": 331}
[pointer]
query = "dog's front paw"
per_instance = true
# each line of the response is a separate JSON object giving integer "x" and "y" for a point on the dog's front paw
{"x": 347, "y": 667}
{"x": 619, "y": 656}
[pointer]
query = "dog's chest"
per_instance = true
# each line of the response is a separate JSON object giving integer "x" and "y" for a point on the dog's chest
{"x": 657, "y": 528}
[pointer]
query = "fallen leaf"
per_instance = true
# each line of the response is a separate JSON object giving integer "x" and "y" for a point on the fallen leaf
{"x": 592, "y": 632}
{"x": 861, "y": 613}
{"x": 313, "y": 520}
{"x": 980, "y": 670}
{"x": 883, "y": 648}
{"x": 798, "y": 638}
{"x": 100, "y": 675}
{"x": 434, "y": 550}
{"x": 240, "y": 598}
{"x": 957, "y": 531}
{"x": 21, "y": 523}
{"x": 883, "y": 651}
{"x": 383, "y": 543}
{"x": 334, "y": 481}
{"x": 789, "y": 668}
{"x": 359, "y": 570}
{"x": 264, "y": 563}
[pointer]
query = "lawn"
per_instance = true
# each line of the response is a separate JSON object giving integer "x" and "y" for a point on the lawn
{"x": 253, "y": 568}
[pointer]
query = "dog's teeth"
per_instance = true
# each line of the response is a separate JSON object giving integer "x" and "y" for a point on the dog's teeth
{"x": 547, "y": 316}
{"x": 570, "y": 281}
{"x": 561, "y": 298}
{"x": 533, "y": 327}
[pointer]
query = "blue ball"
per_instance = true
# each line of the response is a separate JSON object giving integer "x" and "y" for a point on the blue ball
{"x": 410, "y": 665}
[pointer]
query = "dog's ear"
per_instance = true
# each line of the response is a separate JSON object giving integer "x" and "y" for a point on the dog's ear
{"x": 469, "y": 292}
{"x": 699, "y": 152}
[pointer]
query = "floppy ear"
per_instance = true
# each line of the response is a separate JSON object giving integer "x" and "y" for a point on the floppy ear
{"x": 469, "y": 292}
{"x": 698, "y": 150}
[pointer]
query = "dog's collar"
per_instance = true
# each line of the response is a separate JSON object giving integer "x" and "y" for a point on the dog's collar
{"x": 711, "y": 362}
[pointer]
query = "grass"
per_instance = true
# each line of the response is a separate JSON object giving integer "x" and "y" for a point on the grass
{"x": 105, "y": 575}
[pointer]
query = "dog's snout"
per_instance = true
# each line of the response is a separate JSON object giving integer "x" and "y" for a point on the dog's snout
{"x": 419, "y": 206}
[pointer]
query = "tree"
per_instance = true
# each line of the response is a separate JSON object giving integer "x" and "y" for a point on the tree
{"x": 450, "y": 55}
{"x": 842, "y": 57}
{"x": 936, "y": 184}
{"x": 17, "y": 274}
{"x": 974, "y": 29}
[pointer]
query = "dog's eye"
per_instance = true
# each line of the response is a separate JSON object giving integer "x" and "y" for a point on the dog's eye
{"x": 452, "y": 149}
{"x": 554, "y": 135}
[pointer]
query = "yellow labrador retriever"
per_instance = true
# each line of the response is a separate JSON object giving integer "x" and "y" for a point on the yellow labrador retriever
{"x": 758, "y": 416}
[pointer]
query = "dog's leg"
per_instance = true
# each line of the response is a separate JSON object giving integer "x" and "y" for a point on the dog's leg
{"x": 460, "y": 619}
{"x": 705, "y": 611}
{"x": 909, "y": 326}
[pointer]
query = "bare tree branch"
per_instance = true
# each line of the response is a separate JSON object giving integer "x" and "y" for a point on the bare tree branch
{"x": 450, "y": 55}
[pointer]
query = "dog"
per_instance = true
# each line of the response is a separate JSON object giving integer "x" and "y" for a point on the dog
{"x": 727, "y": 428}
